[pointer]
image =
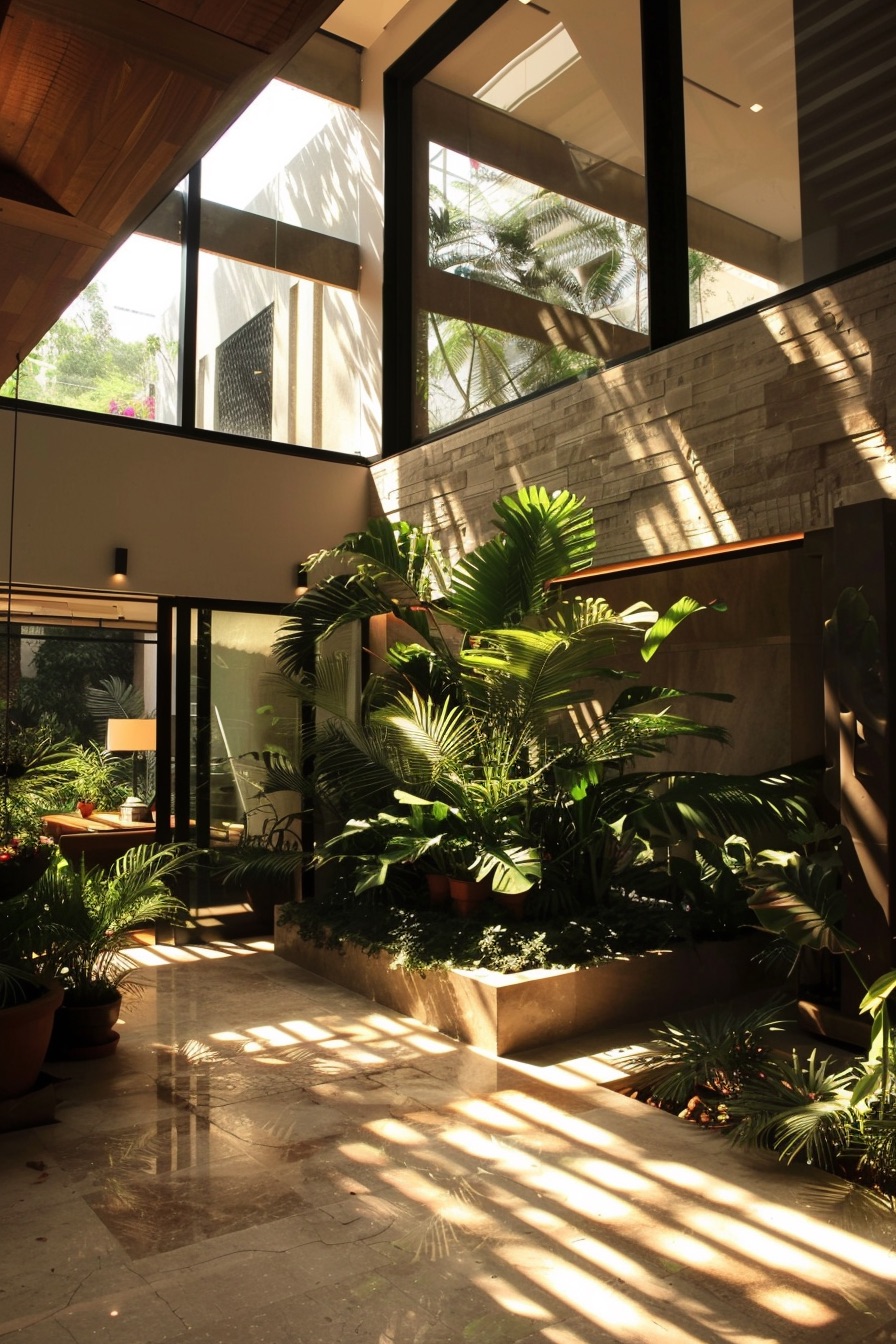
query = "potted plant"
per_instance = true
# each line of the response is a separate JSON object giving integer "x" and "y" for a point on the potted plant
{"x": 33, "y": 767}
{"x": 28, "y": 1003}
{"x": 99, "y": 783}
{"x": 78, "y": 923}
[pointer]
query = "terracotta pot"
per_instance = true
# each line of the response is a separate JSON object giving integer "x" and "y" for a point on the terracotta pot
{"x": 86, "y": 809}
{"x": 85, "y": 1031}
{"x": 513, "y": 902}
{"x": 24, "y": 1033}
{"x": 439, "y": 889}
{"x": 467, "y": 895}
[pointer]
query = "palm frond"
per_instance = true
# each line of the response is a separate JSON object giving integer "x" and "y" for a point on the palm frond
{"x": 660, "y": 631}
{"x": 799, "y": 1109}
{"x": 114, "y": 698}
{"x": 339, "y": 600}
{"x": 721, "y": 805}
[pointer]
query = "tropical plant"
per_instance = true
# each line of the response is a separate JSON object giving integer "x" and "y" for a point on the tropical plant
{"x": 98, "y": 777}
{"x": 76, "y": 922}
{"x": 472, "y": 722}
{"x": 835, "y": 1114}
{"x": 34, "y": 766}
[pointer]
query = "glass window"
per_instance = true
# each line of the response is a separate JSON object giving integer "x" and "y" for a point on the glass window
{"x": 279, "y": 356}
{"x": 790, "y": 122}
{"x": 278, "y": 343}
{"x": 114, "y": 350}
{"x": 292, "y": 156}
{"x": 531, "y": 264}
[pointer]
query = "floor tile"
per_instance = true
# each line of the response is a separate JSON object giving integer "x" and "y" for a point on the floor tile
{"x": 268, "y": 1157}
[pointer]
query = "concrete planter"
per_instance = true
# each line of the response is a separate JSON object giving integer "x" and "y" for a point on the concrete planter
{"x": 505, "y": 1013}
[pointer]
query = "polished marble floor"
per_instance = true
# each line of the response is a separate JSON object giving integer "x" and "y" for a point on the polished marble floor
{"x": 271, "y": 1158}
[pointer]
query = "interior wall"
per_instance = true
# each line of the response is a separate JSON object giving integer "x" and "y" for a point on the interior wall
{"x": 765, "y": 650}
{"x": 198, "y": 519}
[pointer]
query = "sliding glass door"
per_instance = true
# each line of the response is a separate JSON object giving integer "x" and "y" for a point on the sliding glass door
{"x": 228, "y": 707}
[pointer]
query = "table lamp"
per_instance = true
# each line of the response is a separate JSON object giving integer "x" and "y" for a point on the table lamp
{"x": 134, "y": 735}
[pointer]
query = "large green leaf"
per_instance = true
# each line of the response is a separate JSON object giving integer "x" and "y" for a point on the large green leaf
{"x": 485, "y": 589}
{"x": 799, "y": 900}
{"x": 550, "y": 536}
{"x": 718, "y": 805}
{"x": 406, "y": 560}
{"x": 634, "y": 698}
{"x": 428, "y": 740}
{"x": 678, "y": 612}
{"x": 503, "y": 581}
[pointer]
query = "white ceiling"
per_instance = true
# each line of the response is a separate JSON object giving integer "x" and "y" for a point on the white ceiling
{"x": 362, "y": 21}
{"x": 744, "y": 163}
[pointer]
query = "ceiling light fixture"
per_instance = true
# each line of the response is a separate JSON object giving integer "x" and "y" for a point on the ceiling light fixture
{"x": 755, "y": 107}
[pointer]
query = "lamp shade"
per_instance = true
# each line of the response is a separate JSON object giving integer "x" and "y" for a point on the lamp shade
{"x": 131, "y": 735}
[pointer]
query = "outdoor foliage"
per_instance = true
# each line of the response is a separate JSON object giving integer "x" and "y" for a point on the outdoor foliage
{"x": 465, "y": 757}
{"x": 494, "y": 228}
{"x": 81, "y": 363}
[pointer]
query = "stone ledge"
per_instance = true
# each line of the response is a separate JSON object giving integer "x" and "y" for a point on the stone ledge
{"x": 504, "y": 1013}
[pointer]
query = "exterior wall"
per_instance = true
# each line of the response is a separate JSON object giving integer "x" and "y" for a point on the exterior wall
{"x": 759, "y": 428}
{"x": 199, "y": 519}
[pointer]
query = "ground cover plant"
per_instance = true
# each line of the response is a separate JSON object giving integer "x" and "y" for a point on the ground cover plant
{"x": 723, "y": 1070}
{"x": 501, "y": 739}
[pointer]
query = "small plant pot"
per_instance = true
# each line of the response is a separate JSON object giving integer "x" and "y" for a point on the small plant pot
{"x": 467, "y": 895}
{"x": 85, "y": 1031}
{"x": 439, "y": 888}
{"x": 514, "y": 903}
{"x": 86, "y": 809}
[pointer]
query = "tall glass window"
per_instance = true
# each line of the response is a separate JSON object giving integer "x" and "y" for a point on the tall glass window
{"x": 278, "y": 337}
{"x": 531, "y": 264}
{"x": 114, "y": 350}
{"x": 790, "y": 118}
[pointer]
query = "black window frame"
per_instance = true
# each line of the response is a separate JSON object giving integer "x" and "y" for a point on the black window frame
{"x": 665, "y": 171}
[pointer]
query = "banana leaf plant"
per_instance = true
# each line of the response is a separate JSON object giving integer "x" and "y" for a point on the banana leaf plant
{"x": 489, "y": 715}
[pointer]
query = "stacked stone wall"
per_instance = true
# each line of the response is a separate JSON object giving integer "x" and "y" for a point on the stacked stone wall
{"x": 758, "y": 428}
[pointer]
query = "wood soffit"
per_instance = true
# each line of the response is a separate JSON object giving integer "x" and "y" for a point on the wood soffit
{"x": 104, "y": 108}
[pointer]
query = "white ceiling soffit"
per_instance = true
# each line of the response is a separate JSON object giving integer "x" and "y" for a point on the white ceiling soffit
{"x": 362, "y": 21}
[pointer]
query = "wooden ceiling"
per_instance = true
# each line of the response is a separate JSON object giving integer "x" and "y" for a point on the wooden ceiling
{"x": 105, "y": 105}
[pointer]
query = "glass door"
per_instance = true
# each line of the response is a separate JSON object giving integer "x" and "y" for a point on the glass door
{"x": 230, "y": 712}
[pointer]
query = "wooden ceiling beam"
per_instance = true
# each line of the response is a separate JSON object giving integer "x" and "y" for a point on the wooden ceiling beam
{"x": 50, "y": 223}
{"x": 152, "y": 33}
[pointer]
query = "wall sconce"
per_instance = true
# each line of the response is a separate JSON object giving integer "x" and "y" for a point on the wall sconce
{"x": 301, "y": 580}
{"x": 120, "y": 569}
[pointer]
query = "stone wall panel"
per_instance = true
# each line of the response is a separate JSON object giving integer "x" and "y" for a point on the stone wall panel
{"x": 758, "y": 428}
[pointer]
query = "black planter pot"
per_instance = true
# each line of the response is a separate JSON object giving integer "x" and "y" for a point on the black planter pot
{"x": 17, "y": 875}
{"x": 85, "y": 1031}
